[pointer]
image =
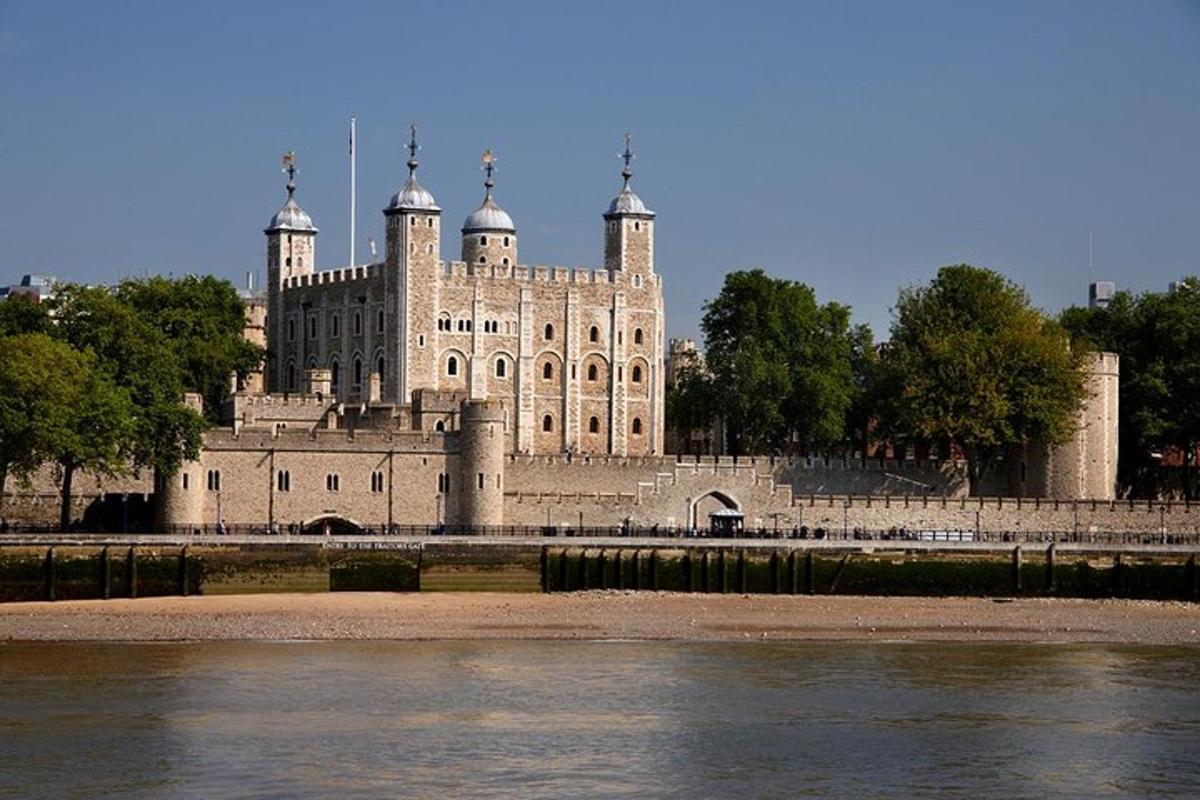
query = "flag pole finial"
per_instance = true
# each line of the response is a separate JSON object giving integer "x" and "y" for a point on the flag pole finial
{"x": 289, "y": 166}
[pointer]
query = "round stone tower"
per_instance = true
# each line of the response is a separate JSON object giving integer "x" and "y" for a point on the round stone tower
{"x": 481, "y": 463}
{"x": 1085, "y": 467}
{"x": 181, "y": 496}
{"x": 488, "y": 234}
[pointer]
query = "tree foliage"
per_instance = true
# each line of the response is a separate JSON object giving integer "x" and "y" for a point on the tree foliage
{"x": 970, "y": 362}
{"x": 1157, "y": 335}
{"x": 202, "y": 320}
{"x": 779, "y": 365}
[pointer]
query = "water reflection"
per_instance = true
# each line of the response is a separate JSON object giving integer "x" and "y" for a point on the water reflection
{"x": 548, "y": 719}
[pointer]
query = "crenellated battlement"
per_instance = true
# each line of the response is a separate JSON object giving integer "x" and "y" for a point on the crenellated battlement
{"x": 539, "y": 273}
{"x": 333, "y": 439}
{"x": 336, "y": 275}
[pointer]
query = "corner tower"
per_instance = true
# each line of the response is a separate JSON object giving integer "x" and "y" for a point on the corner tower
{"x": 628, "y": 228}
{"x": 291, "y": 253}
{"x": 411, "y": 284}
{"x": 488, "y": 235}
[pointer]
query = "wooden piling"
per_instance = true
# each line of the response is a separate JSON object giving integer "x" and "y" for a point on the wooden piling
{"x": 776, "y": 578}
{"x": 1050, "y": 579}
{"x": 50, "y": 577}
{"x": 562, "y": 571}
{"x": 1194, "y": 579}
{"x": 1118, "y": 577}
{"x": 653, "y": 569}
{"x": 105, "y": 573}
{"x": 131, "y": 573}
{"x": 741, "y": 571}
{"x": 722, "y": 578}
{"x": 183, "y": 571}
{"x": 636, "y": 565}
{"x": 583, "y": 572}
{"x": 602, "y": 567}
{"x": 704, "y": 571}
{"x": 544, "y": 566}
{"x": 685, "y": 564}
{"x": 809, "y": 581}
{"x": 791, "y": 571}
{"x": 1016, "y": 570}
{"x": 619, "y": 570}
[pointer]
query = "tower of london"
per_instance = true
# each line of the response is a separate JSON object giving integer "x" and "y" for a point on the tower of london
{"x": 573, "y": 357}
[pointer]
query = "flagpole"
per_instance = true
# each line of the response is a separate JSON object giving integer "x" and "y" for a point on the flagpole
{"x": 352, "y": 189}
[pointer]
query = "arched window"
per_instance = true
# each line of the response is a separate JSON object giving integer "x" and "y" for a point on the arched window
{"x": 291, "y": 330}
{"x": 335, "y": 323}
{"x": 214, "y": 480}
{"x": 439, "y": 426}
{"x": 483, "y": 240}
{"x": 377, "y": 483}
{"x": 548, "y": 424}
{"x": 357, "y": 371}
{"x": 358, "y": 323}
{"x": 506, "y": 241}
{"x": 291, "y": 377}
{"x": 312, "y": 327}
{"x": 335, "y": 374}
{"x": 548, "y": 332}
{"x": 594, "y": 334}
{"x": 637, "y": 335}
{"x": 637, "y": 426}
{"x": 547, "y": 371}
{"x": 452, "y": 365}
{"x": 379, "y": 365}
{"x": 501, "y": 368}
{"x": 593, "y": 373}
{"x": 379, "y": 320}
{"x": 594, "y": 425}
{"x": 504, "y": 261}
{"x": 636, "y": 374}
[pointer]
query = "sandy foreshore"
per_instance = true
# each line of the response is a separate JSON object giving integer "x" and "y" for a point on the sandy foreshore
{"x": 598, "y": 615}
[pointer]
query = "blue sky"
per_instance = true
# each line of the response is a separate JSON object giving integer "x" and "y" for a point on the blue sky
{"x": 854, "y": 146}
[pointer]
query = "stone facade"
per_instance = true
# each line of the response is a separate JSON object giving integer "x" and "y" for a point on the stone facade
{"x": 574, "y": 355}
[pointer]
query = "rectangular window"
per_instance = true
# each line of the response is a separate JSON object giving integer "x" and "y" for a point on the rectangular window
{"x": 214, "y": 480}
{"x": 481, "y": 480}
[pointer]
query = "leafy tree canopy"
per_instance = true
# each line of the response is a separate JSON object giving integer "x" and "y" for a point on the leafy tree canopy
{"x": 971, "y": 362}
{"x": 1157, "y": 335}
{"x": 779, "y": 363}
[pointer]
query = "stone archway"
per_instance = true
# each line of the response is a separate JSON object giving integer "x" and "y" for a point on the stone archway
{"x": 337, "y": 526}
{"x": 705, "y": 504}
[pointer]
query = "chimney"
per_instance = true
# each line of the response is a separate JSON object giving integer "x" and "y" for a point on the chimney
{"x": 373, "y": 388}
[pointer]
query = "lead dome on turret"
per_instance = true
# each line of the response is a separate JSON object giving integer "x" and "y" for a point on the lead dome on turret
{"x": 291, "y": 218}
{"x": 413, "y": 197}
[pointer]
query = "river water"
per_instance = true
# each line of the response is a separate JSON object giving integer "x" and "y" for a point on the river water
{"x": 597, "y": 719}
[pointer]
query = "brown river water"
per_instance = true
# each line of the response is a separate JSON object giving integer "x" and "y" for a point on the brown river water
{"x": 598, "y": 719}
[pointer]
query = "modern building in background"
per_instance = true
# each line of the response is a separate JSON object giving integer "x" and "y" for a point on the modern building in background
{"x": 35, "y": 287}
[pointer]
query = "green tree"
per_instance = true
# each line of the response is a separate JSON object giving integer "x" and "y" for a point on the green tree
{"x": 779, "y": 363}
{"x": 137, "y": 357}
{"x": 202, "y": 320}
{"x": 40, "y": 377}
{"x": 972, "y": 363}
{"x": 19, "y": 314}
{"x": 95, "y": 431}
{"x": 1157, "y": 335}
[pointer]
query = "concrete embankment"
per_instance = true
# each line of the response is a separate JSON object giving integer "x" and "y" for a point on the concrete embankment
{"x": 76, "y": 568}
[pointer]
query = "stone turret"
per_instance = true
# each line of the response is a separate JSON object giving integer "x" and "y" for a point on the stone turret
{"x": 488, "y": 234}
{"x": 291, "y": 253}
{"x": 629, "y": 228}
{"x": 481, "y": 464}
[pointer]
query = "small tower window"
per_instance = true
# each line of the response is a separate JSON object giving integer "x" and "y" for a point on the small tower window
{"x": 506, "y": 241}
{"x": 358, "y": 372}
{"x": 548, "y": 424}
{"x": 291, "y": 377}
{"x": 452, "y": 365}
{"x": 440, "y": 426}
{"x": 335, "y": 375}
{"x": 184, "y": 478}
{"x": 288, "y": 262}
{"x": 594, "y": 425}
{"x": 379, "y": 320}
{"x": 335, "y": 324}
{"x": 504, "y": 261}
{"x": 214, "y": 480}
{"x": 548, "y": 371}
{"x": 291, "y": 330}
{"x": 636, "y": 374}
{"x": 593, "y": 373}
{"x": 283, "y": 481}
{"x": 358, "y": 323}
{"x": 637, "y": 335}
{"x": 594, "y": 334}
{"x": 548, "y": 332}
{"x": 637, "y": 226}
{"x": 483, "y": 259}
{"x": 377, "y": 483}
{"x": 637, "y": 426}
{"x": 333, "y": 483}
{"x": 501, "y": 368}
{"x": 483, "y": 240}
{"x": 312, "y": 327}
{"x": 379, "y": 364}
